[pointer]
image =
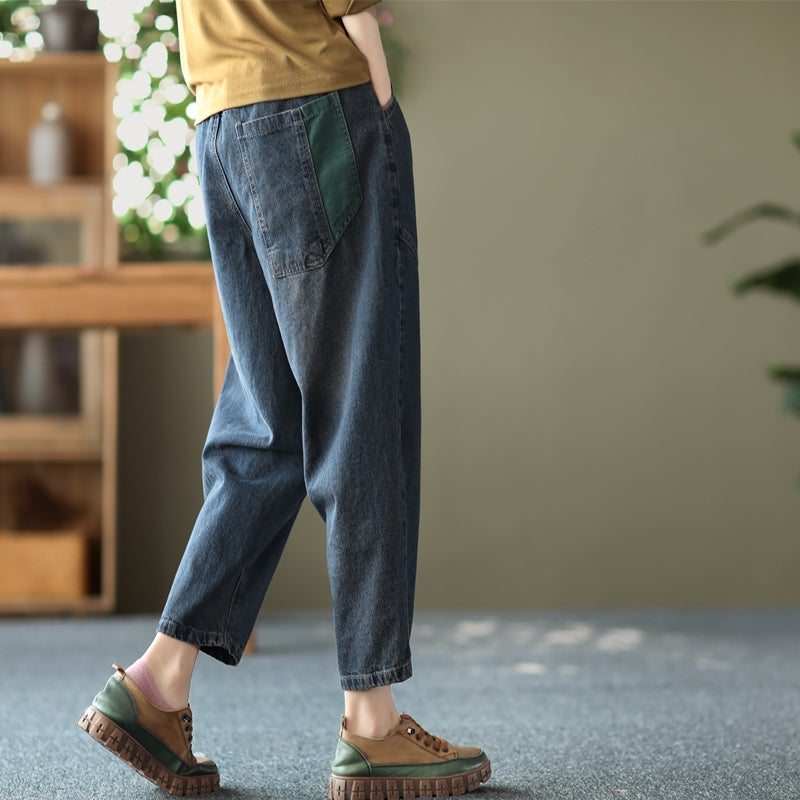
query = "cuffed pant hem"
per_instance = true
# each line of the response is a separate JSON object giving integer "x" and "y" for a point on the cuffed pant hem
{"x": 368, "y": 680}
{"x": 218, "y": 645}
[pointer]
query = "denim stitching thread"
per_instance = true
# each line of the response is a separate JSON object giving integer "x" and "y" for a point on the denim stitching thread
{"x": 310, "y": 175}
{"x": 355, "y": 179}
{"x": 233, "y": 601}
{"x": 363, "y": 680}
{"x": 408, "y": 240}
{"x": 249, "y": 172}
{"x": 392, "y": 165}
{"x": 392, "y": 105}
{"x": 269, "y": 123}
{"x": 225, "y": 181}
{"x": 332, "y": 103}
{"x": 303, "y": 153}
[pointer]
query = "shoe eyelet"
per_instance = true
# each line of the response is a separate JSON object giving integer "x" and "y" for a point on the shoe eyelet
{"x": 409, "y": 730}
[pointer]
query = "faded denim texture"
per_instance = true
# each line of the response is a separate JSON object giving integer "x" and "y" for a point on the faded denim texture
{"x": 312, "y": 224}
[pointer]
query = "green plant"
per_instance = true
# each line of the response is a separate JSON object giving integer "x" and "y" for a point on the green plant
{"x": 782, "y": 278}
{"x": 157, "y": 193}
{"x": 17, "y": 20}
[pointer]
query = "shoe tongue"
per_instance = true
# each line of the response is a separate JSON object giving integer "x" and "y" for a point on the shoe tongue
{"x": 402, "y": 719}
{"x": 406, "y": 718}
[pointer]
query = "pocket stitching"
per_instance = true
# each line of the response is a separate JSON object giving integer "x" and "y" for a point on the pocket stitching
{"x": 392, "y": 105}
{"x": 253, "y": 195}
{"x": 292, "y": 119}
{"x": 355, "y": 181}
{"x": 310, "y": 177}
{"x": 293, "y": 265}
{"x": 355, "y": 192}
{"x": 269, "y": 123}
{"x": 225, "y": 180}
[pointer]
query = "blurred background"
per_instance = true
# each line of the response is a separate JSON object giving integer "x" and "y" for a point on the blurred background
{"x": 609, "y": 564}
{"x": 599, "y": 428}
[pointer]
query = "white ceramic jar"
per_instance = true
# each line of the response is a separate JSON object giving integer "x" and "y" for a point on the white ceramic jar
{"x": 50, "y": 147}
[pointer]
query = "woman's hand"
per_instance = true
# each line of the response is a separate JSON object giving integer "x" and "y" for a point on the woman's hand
{"x": 363, "y": 29}
{"x": 382, "y": 84}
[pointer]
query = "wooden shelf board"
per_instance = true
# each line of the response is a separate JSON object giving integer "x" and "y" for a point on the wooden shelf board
{"x": 68, "y": 434}
{"x": 133, "y": 296}
{"x": 93, "y": 59}
{"x": 21, "y": 198}
{"x": 75, "y": 183}
{"x": 87, "y": 604}
{"x": 39, "y": 454}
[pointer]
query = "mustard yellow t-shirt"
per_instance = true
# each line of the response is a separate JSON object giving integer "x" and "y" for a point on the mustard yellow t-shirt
{"x": 237, "y": 52}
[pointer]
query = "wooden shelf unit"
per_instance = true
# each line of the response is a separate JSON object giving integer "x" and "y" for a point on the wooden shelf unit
{"x": 60, "y": 464}
{"x": 95, "y": 297}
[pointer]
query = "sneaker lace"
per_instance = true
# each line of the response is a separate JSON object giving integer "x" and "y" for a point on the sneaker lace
{"x": 429, "y": 740}
{"x": 188, "y": 721}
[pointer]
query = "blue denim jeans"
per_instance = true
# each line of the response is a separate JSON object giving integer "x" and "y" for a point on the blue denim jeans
{"x": 311, "y": 220}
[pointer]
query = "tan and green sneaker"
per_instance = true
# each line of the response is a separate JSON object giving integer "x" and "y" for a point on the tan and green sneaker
{"x": 408, "y": 762}
{"x": 156, "y": 743}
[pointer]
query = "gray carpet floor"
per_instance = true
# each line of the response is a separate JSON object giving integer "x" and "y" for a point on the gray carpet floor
{"x": 650, "y": 704}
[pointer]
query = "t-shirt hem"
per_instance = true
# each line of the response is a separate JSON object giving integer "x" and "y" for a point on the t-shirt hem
{"x": 224, "y": 100}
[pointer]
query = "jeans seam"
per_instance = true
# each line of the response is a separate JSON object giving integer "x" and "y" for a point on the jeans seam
{"x": 392, "y": 106}
{"x": 406, "y": 238}
{"x": 321, "y": 222}
{"x": 233, "y": 602}
{"x": 396, "y": 228}
{"x": 225, "y": 180}
{"x": 355, "y": 178}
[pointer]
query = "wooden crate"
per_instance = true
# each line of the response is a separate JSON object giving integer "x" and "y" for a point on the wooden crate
{"x": 43, "y": 565}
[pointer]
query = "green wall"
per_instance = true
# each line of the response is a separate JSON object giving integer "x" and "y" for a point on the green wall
{"x": 596, "y": 427}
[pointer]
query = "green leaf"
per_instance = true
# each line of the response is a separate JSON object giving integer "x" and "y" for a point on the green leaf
{"x": 785, "y": 278}
{"x": 740, "y": 218}
{"x": 782, "y": 373}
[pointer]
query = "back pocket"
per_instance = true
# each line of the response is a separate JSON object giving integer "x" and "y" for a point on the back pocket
{"x": 303, "y": 181}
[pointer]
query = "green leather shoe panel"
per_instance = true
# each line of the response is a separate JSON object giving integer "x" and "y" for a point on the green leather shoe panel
{"x": 350, "y": 763}
{"x": 115, "y": 703}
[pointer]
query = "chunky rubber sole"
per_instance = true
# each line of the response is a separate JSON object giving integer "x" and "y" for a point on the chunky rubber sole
{"x": 122, "y": 744}
{"x": 340, "y": 788}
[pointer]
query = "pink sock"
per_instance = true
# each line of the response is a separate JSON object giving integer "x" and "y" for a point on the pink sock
{"x": 141, "y": 675}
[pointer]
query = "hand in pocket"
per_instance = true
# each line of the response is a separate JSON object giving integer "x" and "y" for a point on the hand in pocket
{"x": 383, "y": 91}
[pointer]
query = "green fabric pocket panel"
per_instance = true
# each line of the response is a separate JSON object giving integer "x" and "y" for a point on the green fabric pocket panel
{"x": 334, "y": 160}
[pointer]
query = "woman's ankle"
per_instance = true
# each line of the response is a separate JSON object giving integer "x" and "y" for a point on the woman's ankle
{"x": 371, "y": 713}
{"x": 141, "y": 674}
{"x": 170, "y": 663}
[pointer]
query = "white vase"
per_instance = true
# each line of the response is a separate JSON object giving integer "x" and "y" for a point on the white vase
{"x": 50, "y": 147}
